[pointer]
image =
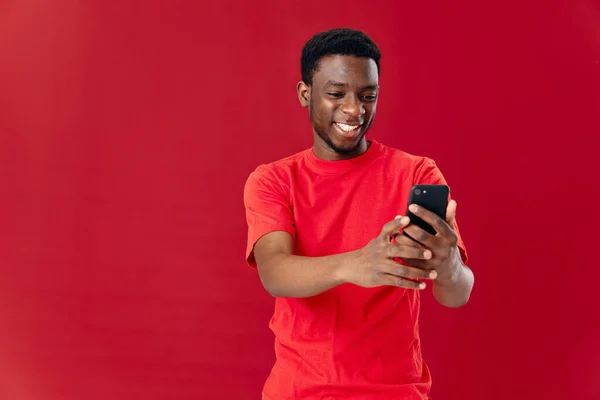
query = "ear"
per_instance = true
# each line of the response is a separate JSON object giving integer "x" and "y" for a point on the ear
{"x": 303, "y": 93}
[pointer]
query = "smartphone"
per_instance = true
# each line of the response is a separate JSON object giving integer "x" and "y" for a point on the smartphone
{"x": 432, "y": 197}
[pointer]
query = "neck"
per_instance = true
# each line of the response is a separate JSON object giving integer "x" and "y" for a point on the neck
{"x": 324, "y": 152}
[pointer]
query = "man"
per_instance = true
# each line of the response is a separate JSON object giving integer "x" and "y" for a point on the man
{"x": 323, "y": 234}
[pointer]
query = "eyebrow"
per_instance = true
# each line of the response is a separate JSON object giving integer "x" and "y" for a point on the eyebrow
{"x": 343, "y": 85}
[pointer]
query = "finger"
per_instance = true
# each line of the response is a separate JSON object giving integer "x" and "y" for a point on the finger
{"x": 407, "y": 251}
{"x": 406, "y": 240}
{"x": 420, "y": 235}
{"x": 451, "y": 213}
{"x": 393, "y": 226}
{"x": 421, "y": 264}
{"x": 406, "y": 271}
{"x": 393, "y": 280}
{"x": 431, "y": 218}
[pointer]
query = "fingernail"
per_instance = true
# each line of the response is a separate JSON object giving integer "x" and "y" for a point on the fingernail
{"x": 422, "y": 285}
{"x": 398, "y": 217}
{"x": 427, "y": 254}
{"x": 405, "y": 220}
{"x": 433, "y": 274}
{"x": 413, "y": 208}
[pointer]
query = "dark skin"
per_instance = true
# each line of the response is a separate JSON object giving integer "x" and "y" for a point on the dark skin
{"x": 342, "y": 101}
{"x": 344, "y": 90}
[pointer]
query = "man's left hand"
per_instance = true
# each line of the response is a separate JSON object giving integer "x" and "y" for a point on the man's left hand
{"x": 445, "y": 258}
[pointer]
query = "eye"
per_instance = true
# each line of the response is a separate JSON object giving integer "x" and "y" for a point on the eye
{"x": 370, "y": 97}
{"x": 336, "y": 95}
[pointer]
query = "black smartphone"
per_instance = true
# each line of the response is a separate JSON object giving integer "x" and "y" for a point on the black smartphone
{"x": 432, "y": 197}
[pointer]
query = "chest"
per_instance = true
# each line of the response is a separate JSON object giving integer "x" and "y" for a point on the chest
{"x": 343, "y": 212}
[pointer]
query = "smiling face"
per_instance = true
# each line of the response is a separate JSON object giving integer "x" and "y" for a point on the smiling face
{"x": 342, "y": 100}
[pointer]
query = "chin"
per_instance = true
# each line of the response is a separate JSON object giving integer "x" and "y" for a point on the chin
{"x": 345, "y": 146}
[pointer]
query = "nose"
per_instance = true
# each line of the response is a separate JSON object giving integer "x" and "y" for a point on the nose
{"x": 353, "y": 107}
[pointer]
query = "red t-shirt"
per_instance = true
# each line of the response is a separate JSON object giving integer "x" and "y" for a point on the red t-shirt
{"x": 348, "y": 342}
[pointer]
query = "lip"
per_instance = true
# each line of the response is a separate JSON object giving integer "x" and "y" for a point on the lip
{"x": 350, "y": 134}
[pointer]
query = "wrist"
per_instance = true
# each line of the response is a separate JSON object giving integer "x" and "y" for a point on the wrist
{"x": 453, "y": 273}
{"x": 342, "y": 268}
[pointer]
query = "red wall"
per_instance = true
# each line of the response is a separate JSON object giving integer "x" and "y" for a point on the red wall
{"x": 127, "y": 131}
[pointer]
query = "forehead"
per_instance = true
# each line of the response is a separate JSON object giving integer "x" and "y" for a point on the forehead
{"x": 354, "y": 71}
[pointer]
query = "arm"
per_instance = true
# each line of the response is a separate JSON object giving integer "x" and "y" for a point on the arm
{"x": 454, "y": 289}
{"x": 284, "y": 274}
{"x": 453, "y": 285}
{"x": 454, "y": 282}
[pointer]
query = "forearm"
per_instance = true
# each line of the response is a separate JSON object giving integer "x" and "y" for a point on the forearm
{"x": 288, "y": 275}
{"x": 454, "y": 290}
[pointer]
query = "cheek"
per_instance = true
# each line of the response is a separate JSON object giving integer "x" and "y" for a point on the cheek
{"x": 371, "y": 110}
{"x": 324, "y": 111}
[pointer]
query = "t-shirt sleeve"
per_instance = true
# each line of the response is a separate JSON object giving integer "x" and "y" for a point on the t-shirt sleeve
{"x": 429, "y": 173}
{"x": 268, "y": 208}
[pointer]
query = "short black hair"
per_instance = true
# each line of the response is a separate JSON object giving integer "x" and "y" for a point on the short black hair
{"x": 338, "y": 41}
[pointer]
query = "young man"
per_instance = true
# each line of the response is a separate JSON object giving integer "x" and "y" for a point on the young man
{"x": 322, "y": 232}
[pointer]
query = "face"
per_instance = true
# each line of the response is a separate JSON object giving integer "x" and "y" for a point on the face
{"x": 341, "y": 101}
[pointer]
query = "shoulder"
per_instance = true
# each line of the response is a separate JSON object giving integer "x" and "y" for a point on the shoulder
{"x": 407, "y": 161}
{"x": 281, "y": 166}
{"x": 275, "y": 173}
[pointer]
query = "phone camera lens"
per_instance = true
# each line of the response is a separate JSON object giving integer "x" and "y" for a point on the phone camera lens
{"x": 417, "y": 191}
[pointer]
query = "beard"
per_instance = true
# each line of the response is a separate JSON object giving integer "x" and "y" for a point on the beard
{"x": 324, "y": 135}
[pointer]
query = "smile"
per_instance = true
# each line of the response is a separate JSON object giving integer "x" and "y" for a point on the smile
{"x": 348, "y": 129}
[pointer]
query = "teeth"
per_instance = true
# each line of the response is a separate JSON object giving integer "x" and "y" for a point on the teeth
{"x": 347, "y": 128}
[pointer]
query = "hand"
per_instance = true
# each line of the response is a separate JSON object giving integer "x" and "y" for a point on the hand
{"x": 374, "y": 264}
{"x": 445, "y": 258}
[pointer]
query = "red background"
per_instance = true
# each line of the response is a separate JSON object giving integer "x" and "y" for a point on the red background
{"x": 127, "y": 130}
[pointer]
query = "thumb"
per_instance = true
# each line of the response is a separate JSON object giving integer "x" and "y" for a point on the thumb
{"x": 451, "y": 213}
{"x": 392, "y": 227}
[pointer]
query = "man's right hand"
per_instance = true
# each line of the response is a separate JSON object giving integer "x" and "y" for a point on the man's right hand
{"x": 374, "y": 264}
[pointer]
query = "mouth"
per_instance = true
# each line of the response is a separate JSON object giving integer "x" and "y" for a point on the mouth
{"x": 348, "y": 130}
